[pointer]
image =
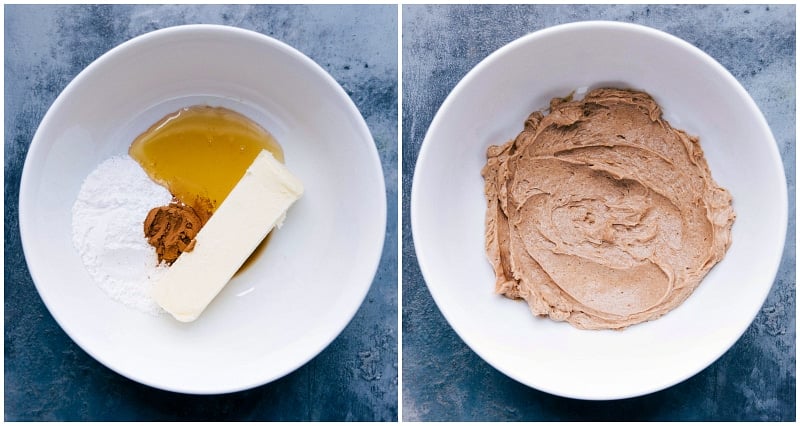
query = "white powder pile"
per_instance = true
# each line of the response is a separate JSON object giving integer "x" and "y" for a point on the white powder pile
{"x": 108, "y": 231}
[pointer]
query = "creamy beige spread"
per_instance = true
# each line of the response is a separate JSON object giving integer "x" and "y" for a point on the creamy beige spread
{"x": 601, "y": 214}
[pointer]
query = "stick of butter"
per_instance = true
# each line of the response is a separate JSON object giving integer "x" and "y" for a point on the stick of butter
{"x": 256, "y": 204}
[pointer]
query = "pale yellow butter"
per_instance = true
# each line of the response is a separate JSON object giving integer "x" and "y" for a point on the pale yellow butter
{"x": 256, "y": 204}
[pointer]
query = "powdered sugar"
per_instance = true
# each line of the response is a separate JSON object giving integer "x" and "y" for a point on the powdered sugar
{"x": 107, "y": 231}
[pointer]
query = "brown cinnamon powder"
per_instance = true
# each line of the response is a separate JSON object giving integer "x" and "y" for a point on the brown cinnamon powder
{"x": 171, "y": 229}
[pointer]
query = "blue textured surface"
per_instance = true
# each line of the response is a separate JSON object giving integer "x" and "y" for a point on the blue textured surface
{"x": 442, "y": 378}
{"x": 47, "y": 376}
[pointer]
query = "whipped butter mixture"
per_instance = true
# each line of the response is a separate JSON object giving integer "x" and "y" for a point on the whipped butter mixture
{"x": 601, "y": 214}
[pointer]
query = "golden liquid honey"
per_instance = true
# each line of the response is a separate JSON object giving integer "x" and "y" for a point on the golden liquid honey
{"x": 200, "y": 153}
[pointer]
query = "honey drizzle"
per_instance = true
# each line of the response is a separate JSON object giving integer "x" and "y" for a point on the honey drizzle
{"x": 199, "y": 153}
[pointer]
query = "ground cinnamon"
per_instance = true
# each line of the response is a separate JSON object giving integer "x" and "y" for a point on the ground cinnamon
{"x": 171, "y": 229}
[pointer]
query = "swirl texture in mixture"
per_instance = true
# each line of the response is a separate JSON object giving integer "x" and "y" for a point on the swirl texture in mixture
{"x": 601, "y": 214}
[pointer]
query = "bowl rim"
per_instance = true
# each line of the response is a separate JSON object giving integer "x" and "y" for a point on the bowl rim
{"x": 509, "y": 48}
{"x": 25, "y": 198}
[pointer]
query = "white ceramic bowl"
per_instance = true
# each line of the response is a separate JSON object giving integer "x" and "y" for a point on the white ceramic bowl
{"x": 489, "y": 107}
{"x": 303, "y": 289}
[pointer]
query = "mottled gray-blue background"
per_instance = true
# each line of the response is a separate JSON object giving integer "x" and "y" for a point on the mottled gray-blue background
{"x": 47, "y": 376}
{"x": 442, "y": 378}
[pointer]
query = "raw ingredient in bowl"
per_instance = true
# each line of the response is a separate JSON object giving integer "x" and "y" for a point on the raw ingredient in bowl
{"x": 171, "y": 230}
{"x": 229, "y": 192}
{"x": 256, "y": 204}
{"x": 215, "y": 190}
{"x": 601, "y": 214}
{"x": 107, "y": 231}
{"x": 198, "y": 153}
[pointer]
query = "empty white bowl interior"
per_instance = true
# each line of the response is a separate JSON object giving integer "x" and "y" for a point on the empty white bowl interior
{"x": 299, "y": 294}
{"x": 489, "y": 107}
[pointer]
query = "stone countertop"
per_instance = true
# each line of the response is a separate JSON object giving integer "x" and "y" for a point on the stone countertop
{"x": 442, "y": 378}
{"x": 47, "y": 376}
